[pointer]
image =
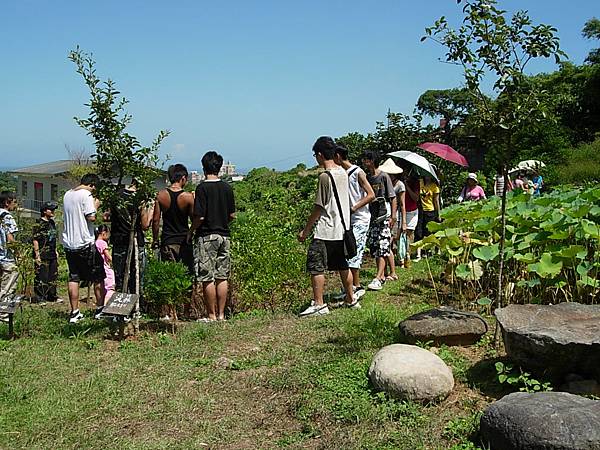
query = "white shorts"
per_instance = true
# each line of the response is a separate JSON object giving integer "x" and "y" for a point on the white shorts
{"x": 412, "y": 217}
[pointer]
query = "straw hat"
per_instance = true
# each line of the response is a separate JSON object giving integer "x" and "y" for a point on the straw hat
{"x": 389, "y": 166}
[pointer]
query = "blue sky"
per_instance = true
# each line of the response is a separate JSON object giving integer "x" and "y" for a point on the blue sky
{"x": 257, "y": 81}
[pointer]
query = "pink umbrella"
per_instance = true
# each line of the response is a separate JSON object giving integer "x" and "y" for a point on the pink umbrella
{"x": 445, "y": 152}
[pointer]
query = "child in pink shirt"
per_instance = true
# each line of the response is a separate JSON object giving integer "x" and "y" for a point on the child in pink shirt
{"x": 102, "y": 235}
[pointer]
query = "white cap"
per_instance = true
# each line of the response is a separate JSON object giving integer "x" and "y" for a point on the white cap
{"x": 472, "y": 176}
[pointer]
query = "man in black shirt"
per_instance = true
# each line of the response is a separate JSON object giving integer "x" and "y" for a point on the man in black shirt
{"x": 121, "y": 219}
{"x": 45, "y": 255}
{"x": 214, "y": 208}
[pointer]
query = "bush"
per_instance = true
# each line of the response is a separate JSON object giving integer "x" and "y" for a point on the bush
{"x": 268, "y": 261}
{"x": 167, "y": 283}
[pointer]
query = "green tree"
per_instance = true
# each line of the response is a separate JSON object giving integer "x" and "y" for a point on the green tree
{"x": 453, "y": 105}
{"x": 591, "y": 30}
{"x": 7, "y": 182}
{"x": 119, "y": 156}
{"x": 490, "y": 45}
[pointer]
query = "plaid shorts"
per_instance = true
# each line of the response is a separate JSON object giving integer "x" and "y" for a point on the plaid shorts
{"x": 380, "y": 238}
{"x": 212, "y": 260}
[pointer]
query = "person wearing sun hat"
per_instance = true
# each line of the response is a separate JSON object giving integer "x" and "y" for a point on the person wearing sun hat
{"x": 471, "y": 191}
{"x": 395, "y": 172}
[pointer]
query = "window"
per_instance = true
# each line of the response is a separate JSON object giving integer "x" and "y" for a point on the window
{"x": 38, "y": 191}
{"x": 54, "y": 192}
{"x": 24, "y": 188}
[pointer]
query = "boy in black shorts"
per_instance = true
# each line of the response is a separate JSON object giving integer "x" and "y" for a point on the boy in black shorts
{"x": 326, "y": 251}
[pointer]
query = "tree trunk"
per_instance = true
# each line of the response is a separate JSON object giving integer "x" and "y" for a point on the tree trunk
{"x": 129, "y": 254}
{"x": 500, "y": 293}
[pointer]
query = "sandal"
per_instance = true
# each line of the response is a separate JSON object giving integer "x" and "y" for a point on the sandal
{"x": 391, "y": 278}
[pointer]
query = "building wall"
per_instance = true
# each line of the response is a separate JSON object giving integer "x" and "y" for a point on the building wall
{"x": 27, "y": 199}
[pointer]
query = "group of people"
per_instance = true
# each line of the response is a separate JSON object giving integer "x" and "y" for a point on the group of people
{"x": 379, "y": 204}
{"x": 195, "y": 231}
{"x": 386, "y": 206}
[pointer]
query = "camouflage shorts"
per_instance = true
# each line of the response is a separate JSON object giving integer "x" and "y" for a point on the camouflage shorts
{"x": 211, "y": 258}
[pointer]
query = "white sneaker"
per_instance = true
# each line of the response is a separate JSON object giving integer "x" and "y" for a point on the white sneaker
{"x": 353, "y": 305}
{"x": 375, "y": 285}
{"x": 75, "y": 317}
{"x": 359, "y": 291}
{"x": 315, "y": 310}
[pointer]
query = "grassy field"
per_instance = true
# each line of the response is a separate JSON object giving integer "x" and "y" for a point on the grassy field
{"x": 259, "y": 380}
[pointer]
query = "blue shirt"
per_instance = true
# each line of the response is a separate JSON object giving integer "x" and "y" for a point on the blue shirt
{"x": 539, "y": 182}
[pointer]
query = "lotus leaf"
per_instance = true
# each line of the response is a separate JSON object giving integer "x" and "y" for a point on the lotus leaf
{"x": 487, "y": 253}
{"x": 573, "y": 251}
{"x": 471, "y": 271}
{"x": 548, "y": 266}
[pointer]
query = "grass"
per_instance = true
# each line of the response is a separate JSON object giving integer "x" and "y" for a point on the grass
{"x": 259, "y": 380}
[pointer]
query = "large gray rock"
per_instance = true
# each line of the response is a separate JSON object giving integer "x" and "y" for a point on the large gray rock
{"x": 444, "y": 326}
{"x": 542, "y": 421}
{"x": 410, "y": 373}
{"x": 556, "y": 339}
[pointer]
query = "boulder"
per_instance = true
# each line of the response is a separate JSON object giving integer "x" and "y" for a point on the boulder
{"x": 555, "y": 340}
{"x": 410, "y": 373}
{"x": 443, "y": 326}
{"x": 542, "y": 421}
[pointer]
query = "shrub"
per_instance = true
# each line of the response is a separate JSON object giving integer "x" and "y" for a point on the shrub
{"x": 167, "y": 283}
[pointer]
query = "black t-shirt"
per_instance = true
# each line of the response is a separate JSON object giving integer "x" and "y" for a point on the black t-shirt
{"x": 214, "y": 201}
{"x": 120, "y": 223}
{"x": 44, "y": 232}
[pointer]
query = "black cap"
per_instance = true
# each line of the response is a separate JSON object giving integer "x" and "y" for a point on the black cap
{"x": 48, "y": 205}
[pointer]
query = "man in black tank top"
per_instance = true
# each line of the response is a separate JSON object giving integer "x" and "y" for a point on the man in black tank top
{"x": 176, "y": 208}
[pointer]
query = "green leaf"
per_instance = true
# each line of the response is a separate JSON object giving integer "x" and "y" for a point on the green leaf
{"x": 487, "y": 253}
{"x": 548, "y": 266}
{"x": 471, "y": 271}
{"x": 484, "y": 301}
{"x": 573, "y": 251}
{"x": 527, "y": 258}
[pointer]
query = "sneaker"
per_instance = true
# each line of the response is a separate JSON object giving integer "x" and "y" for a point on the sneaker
{"x": 98, "y": 313}
{"x": 340, "y": 295}
{"x": 75, "y": 316}
{"x": 315, "y": 310}
{"x": 375, "y": 285}
{"x": 353, "y": 305}
{"x": 359, "y": 291}
{"x": 4, "y": 317}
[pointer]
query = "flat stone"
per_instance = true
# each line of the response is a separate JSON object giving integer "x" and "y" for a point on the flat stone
{"x": 542, "y": 421}
{"x": 555, "y": 340}
{"x": 408, "y": 372}
{"x": 443, "y": 326}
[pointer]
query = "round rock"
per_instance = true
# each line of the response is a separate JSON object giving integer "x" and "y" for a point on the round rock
{"x": 443, "y": 326}
{"x": 542, "y": 421}
{"x": 410, "y": 373}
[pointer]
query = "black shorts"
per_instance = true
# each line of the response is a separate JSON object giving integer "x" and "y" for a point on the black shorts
{"x": 85, "y": 264}
{"x": 325, "y": 255}
{"x": 428, "y": 216}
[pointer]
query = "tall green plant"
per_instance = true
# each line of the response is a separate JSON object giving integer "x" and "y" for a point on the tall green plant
{"x": 119, "y": 156}
{"x": 489, "y": 46}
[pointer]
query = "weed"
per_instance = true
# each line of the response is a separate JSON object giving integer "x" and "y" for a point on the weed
{"x": 507, "y": 374}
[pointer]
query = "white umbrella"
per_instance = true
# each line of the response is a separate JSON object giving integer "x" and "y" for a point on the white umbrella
{"x": 530, "y": 164}
{"x": 416, "y": 160}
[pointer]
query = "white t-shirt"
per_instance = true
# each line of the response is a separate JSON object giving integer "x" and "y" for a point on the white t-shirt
{"x": 78, "y": 232}
{"x": 329, "y": 225}
{"x": 362, "y": 215}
